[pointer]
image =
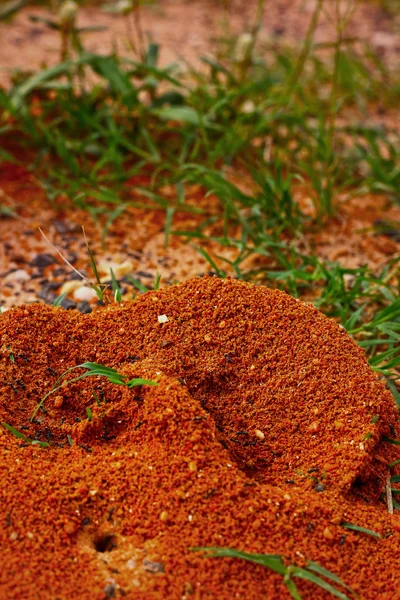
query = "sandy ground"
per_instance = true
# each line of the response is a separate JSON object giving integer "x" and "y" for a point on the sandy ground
{"x": 186, "y": 30}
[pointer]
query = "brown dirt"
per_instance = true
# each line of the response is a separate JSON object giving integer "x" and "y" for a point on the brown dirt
{"x": 135, "y": 244}
{"x": 186, "y": 30}
{"x": 260, "y": 399}
{"x": 185, "y": 463}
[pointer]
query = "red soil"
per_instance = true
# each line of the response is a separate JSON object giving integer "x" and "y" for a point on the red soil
{"x": 260, "y": 399}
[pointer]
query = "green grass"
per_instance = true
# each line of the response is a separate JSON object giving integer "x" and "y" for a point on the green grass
{"x": 361, "y": 530}
{"x": 92, "y": 370}
{"x": 274, "y": 115}
{"x": 23, "y": 437}
{"x": 312, "y": 573}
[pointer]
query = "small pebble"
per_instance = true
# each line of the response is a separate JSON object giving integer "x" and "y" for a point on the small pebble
{"x": 153, "y": 567}
{"x": 319, "y": 487}
{"x": 327, "y": 533}
{"x": 58, "y": 401}
{"x": 17, "y": 275}
{"x": 109, "y": 590}
{"x": 68, "y": 304}
{"x": 84, "y": 307}
{"x": 43, "y": 260}
{"x": 84, "y": 293}
{"x": 64, "y": 227}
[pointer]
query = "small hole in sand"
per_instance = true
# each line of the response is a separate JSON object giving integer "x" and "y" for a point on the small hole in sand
{"x": 105, "y": 543}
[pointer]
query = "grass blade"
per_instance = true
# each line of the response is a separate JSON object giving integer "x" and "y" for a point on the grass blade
{"x": 14, "y": 431}
{"x": 308, "y": 576}
{"x": 361, "y": 530}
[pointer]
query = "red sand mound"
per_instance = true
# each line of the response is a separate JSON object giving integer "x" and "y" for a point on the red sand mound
{"x": 263, "y": 434}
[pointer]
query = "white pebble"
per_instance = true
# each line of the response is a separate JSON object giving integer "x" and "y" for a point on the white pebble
{"x": 84, "y": 293}
{"x": 18, "y": 275}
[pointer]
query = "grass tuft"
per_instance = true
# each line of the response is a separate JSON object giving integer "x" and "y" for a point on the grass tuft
{"x": 313, "y": 572}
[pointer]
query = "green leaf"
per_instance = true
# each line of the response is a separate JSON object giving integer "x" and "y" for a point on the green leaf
{"x": 138, "y": 285}
{"x": 23, "y": 437}
{"x": 292, "y": 588}
{"x": 15, "y": 432}
{"x": 115, "y": 287}
{"x": 305, "y": 574}
{"x": 395, "y": 392}
{"x": 390, "y": 441}
{"x": 361, "y": 529}
{"x": 135, "y": 382}
{"x": 185, "y": 114}
{"x": 272, "y": 561}
{"x": 36, "y": 80}
{"x": 58, "y": 301}
{"x": 313, "y": 566}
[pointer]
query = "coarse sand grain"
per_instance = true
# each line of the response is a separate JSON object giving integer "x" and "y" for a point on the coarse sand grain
{"x": 267, "y": 432}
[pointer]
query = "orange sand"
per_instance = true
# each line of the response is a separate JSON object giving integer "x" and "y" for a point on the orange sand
{"x": 260, "y": 400}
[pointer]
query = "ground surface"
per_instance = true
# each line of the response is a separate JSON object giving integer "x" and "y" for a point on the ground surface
{"x": 136, "y": 240}
{"x": 258, "y": 435}
{"x": 210, "y": 452}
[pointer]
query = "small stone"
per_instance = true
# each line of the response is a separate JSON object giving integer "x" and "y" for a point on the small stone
{"x": 84, "y": 307}
{"x": 109, "y": 590}
{"x": 70, "y": 286}
{"x": 74, "y": 276}
{"x": 165, "y": 343}
{"x": 68, "y": 304}
{"x": 84, "y": 293}
{"x": 119, "y": 269}
{"x": 327, "y": 533}
{"x": 131, "y": 564}
{"x": 259, "y": 434}
{"x": 319, "y": 487}
{"x": 46, "y": 291}
{"x": 162, "y": 318}
{"x": 43, "y": 260}
{"x": 58, "y": 401}
{"x": 63, "y": 227}
{"x": 72, "y": 258}
{"x": 14, "y": 536}
{"x": 153, "y": 567}
{"x": 17, "y": 275}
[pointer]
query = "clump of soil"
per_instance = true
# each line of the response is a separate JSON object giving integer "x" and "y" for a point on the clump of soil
{"x": 264, "y": 433}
